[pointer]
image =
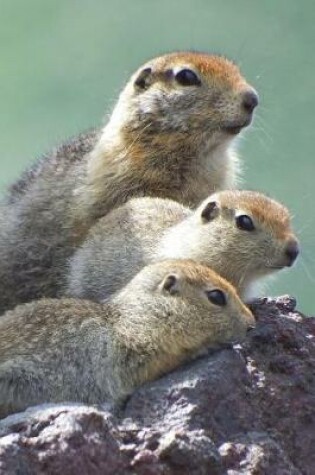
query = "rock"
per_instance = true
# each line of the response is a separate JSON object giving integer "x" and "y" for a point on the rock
{"x": 248, "y": 409}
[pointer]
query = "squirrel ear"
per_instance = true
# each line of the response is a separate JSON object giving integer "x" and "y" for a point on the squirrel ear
{"x": 210, "y": 211}
{"x": 141, "y": 82}
{"x": 171, "y": 284}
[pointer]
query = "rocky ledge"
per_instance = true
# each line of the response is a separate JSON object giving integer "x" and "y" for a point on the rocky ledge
{"x": 249, "y": 409}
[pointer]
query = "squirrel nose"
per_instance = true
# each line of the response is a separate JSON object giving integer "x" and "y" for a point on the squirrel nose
{"x": 250, "y": 100}
{"x": 292, "y": 251}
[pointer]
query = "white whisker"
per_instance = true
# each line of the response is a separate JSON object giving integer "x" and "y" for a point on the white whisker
{"x": 309, "y": 275}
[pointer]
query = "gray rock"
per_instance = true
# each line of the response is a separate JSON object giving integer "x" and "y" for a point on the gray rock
{"x": 247, "y": 409}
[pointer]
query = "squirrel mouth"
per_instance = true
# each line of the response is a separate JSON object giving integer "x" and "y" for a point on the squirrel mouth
{"x": 276, "y": 267}
{"x": 235, "y": 129}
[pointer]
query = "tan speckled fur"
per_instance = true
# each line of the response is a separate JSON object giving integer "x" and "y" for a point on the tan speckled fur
{"x": 145, "y": 230}
{"x": 76, "y": 350}
{"x": 163, "y": 139}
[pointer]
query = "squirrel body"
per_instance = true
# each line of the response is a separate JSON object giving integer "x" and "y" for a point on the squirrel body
{"x": 55, "y": 350}
{"x": 146, "y": 230}
{"x": 171, "y": 135}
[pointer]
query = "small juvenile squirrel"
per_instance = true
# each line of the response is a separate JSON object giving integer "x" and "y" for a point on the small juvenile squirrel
{"x": 171, "y": 135}
{"x": 242, "y": 235}
{"x": 75, "y": 350}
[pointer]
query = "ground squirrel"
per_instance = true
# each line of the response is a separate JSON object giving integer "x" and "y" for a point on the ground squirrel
{"x": 75, "y": 350}
{"x": 170, "y": 135}
{"x": 242, "y": 235}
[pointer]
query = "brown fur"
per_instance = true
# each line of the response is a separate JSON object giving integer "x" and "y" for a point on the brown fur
{"x": 76, "y": 350}
{"x": 267, "y": 212}
{"x": 146, "y": 230}
{"x": 162, "y": 140}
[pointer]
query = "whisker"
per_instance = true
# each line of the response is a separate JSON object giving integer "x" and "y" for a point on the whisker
{"x": 307, "y": 225}
{"x": 263, "y": 128}
{"x": 308, "y": 257}
{"x": 308, "y": 274}
{"x": 136, "y": 139}
{"x": 262, "y": 140}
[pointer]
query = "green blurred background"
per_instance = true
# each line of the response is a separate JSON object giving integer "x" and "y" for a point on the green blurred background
{"x": 63, "y": 63}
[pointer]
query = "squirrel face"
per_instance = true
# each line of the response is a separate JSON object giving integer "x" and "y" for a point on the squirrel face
{"x": 243, "y": 235}
{"x": 191, "y": 92}
{"x": 199, "y": 303}
{"x": 171, "y": 132}
{"x": 253, "y": 232}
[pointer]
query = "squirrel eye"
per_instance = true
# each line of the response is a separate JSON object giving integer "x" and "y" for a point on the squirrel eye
{"x": 217, "y": 297}
{"x": 187, "y": 77}
{"x": 245, "y": 223}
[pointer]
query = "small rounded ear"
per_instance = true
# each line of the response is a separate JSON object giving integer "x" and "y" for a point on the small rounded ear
{"x": 142, "y": 80}
{"x": 171, "y": 284}
{"x": 210, "y": 211}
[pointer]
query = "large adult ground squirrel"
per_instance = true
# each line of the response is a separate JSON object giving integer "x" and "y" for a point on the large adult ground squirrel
{"x": 170, "y": 135}
{"x": 242, "y": 235}
{"x": 76, "y": 350}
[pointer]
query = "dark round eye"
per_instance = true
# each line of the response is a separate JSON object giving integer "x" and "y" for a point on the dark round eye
{"x": 245, "y": 223}
{"x": 187, "y": 77}
{"x": 217, "y": 297}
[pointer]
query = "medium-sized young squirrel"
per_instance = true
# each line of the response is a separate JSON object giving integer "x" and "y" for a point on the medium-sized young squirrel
{"x": 171, "y": 135}
{"x": 242, "y": 235}
{"x": 75, "y": 350}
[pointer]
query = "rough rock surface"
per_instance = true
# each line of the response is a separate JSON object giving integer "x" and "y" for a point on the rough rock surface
{"x": 243, "y": 410}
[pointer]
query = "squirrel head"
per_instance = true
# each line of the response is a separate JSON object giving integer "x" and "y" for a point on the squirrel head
{"x": 191, "y": 298}
{"x": 175, "y": 110}
{"x": 193, "y": 93}
{"x": 252, "y": 233}
{"x": 243, "y": 235}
